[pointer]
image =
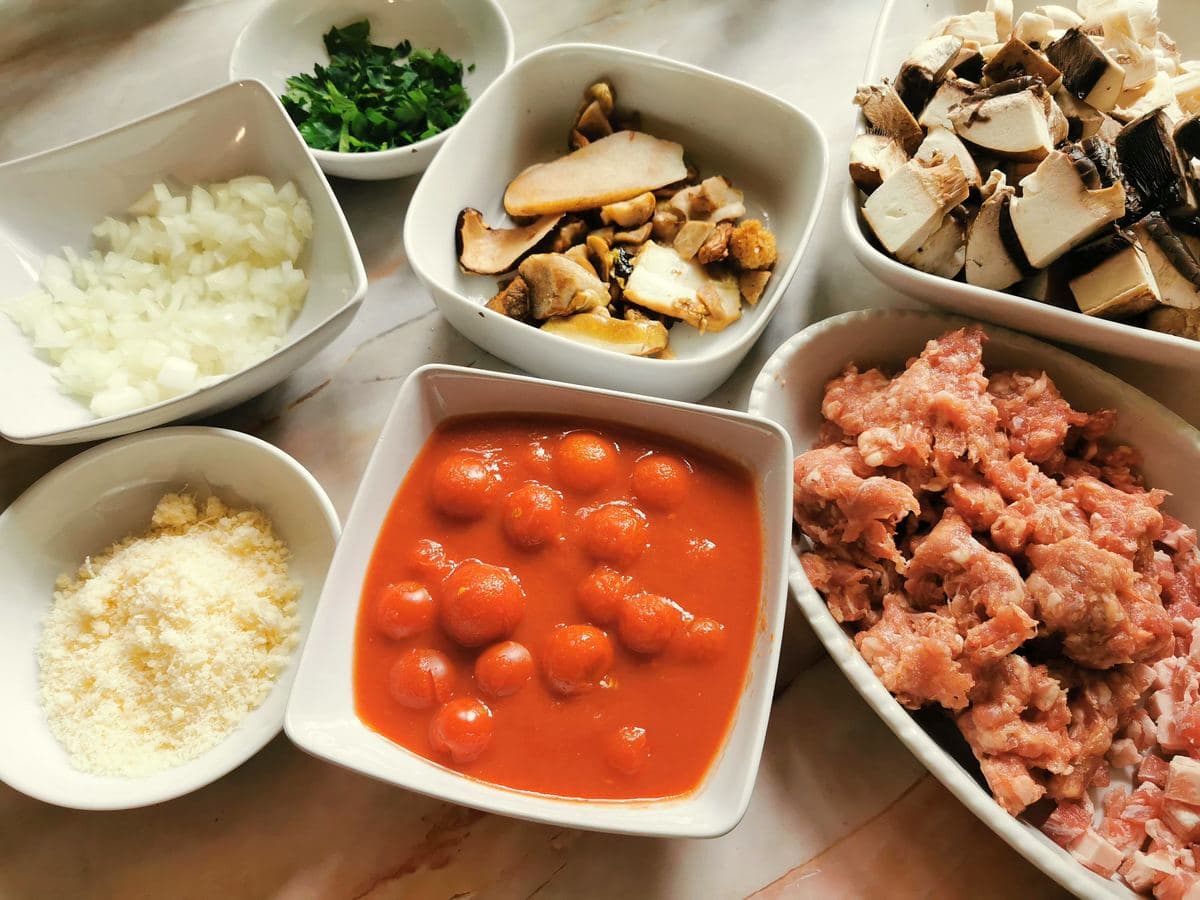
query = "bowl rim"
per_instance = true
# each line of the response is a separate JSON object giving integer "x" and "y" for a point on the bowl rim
{"x": 870, "y": 255}
{"x": 356, "y": 272}
{"x": 782, "y": 279}
{"x": 392, "y": 153}
{"x": 123, "y": 444}
{"x": 1056, "y": 863}
{"x": 576, "y": 812}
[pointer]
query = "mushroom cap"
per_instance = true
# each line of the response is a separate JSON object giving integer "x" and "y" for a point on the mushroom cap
{"x": 614, "y": 168}
{"x": 491, "y": 251}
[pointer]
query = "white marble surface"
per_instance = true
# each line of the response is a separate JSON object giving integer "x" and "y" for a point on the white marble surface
{"x": 840, "y": 809}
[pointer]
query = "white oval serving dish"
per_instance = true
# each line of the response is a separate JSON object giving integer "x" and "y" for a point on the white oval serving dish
{"x": 767, "y": 147}
{"x": 789, "y": 390}
{"x": 284, "y": 39}
{"x": 79, "y": 509}
{"x": 321, "y": 714}
{"x": 902, "y": 25}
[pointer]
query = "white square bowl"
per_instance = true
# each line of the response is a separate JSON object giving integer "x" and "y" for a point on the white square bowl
{"x": 321, "y": 714}
{"x": 902, "y": 25}
{"x": 766, "y": 147}
{"x": 52, "y": 200}
{"x": 789, "y": 390}
{"x": 94, "y": 499}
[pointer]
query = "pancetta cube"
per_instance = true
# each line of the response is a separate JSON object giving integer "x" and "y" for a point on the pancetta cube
{"x": 1183, "y": 780}
{"x": 1183, "y": 819}
{"x": 1097, "y": 854}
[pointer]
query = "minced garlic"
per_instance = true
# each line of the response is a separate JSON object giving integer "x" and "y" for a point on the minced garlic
{"x": 158, "y": 648}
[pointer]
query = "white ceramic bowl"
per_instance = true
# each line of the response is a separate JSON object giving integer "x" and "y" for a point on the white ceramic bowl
{"x": 53, "y": 199}
{"x": 284, "y": 39}
{"x": 790, "y": 389}
{"x": 321, "y": 717}
{"x": 79, "y": 509}
{"x": 765, "y": 146}
{"x": 902, "y": 25}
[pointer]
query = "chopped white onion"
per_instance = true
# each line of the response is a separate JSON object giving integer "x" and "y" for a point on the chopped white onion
{"x": 193, "y": 287}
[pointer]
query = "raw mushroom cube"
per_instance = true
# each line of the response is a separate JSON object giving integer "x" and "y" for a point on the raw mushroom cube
{"x": 910, "y": 206}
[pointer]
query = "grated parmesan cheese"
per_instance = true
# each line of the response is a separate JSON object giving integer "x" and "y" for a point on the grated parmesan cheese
{"x": 157, "y": 649}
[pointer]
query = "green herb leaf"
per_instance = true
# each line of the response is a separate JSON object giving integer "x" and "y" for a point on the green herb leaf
{"x": 371, "y": 97}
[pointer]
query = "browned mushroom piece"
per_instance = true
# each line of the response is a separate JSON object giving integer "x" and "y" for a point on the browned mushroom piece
{"x": 570, "y": 232}
{"x": 614, "y": 168}
{"x": 559, "y": 286}
{"x": 752, "y": 283}
{"x": 629, "y": 213}
{"x": 513, "y": 300}
{"x": 666, "y": 222}
{"x": 491, "y": 251}
{"x": 601, "y": 255}
{"x": 712, "y": 200}
{"x": 593, "y": 123}
{"x": 691, "y": 237}
{"x": 579, "y": 254}
{"x": 643, "y": 337}
{"x": 716, "y": 246}
{"x": 593, "y": 119}
{"x": 636, "y": 236}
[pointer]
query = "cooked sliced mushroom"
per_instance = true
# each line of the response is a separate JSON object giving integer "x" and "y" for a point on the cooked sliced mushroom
{"x": 513, "y": 300}
{"x": 873, "y": 157}
{"x": 712, "y": 200}
{"x": 666, "y": 283}
{"x": 1111, "y": 278}
{"x": 570, "y": 232}
{"x": 887, "y": 114}
{"x": 1088, "y": 72}
{"x": 492, "y": 251}
{"x": 618, "y": 167}
{"x": 1016, "y": 59}
{"x": 1153, "y": 165}
{"x": 666, "y": 222}
{"x": 1062, "y": 205}
{"x": 911, "y": 205}
{"x": 636, "y": 236}
{"x": 605, "y": 234}
{"x": 559, "y": 286}
{"x": 752, "y": 283}
{"x": 642, "y": 337}
{"x": 1012, "y": 120}
{"x": 579, "y": 255}
{"x": 601, "y": 255}
{"x": 630, "y": 213}
{"x": 716, "y": 246}
{"x": 1176, "y": 269}
{"x": 690, "y": 238}
{"x": 593, "y": 124}
{"x": 924, "y": 69}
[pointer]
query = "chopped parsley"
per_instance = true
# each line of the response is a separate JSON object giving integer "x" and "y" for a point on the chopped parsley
{"x": 371, "y": 97}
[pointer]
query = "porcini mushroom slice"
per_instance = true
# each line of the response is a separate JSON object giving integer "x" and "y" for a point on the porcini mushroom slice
{"x": 579, "y": 255}
{"x": 690, "y": 237}
{"x": 630, "y": 213}
{"x": 559, "y": 286}
{"x": 752, "y": 283}
{"x": 513, "y": 300}
{"x": 666, "y": 283}
{"x": 593, "y": 123}
{"x": 618, "y": 167}
{"x": 636, "y": 236}
{"x": 640, "y": 337}
{"x": 712, "y": 200}
{"x": 491, "y": 251}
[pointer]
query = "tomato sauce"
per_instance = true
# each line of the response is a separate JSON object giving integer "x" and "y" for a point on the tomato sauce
{"x": 566, "y": 607}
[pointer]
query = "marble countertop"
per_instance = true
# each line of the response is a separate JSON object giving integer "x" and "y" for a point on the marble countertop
{"x": 841, "y": 809}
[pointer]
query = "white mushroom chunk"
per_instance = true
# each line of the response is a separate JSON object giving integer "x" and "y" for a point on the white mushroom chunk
{"x": 910, "y": 206}
{"x": 991, "y": 260}
{"x": 1139, "y": 62}
{"x": 1111, "y": 278}
{"x": 1017, "y": 59}
{"x": 1002, "y": 10}
{"x": 873, "y": 159}
{"x": 949, "y": 94}
{"x": 630, "y": 213}
{"x": 979, "y": 27}
{"x": 1058, "y": 210}
{"x": 1034, "y": 29}
{"x": 1157, "y": 93}
{"x": 640, "y": 337}
{"x": 1011, "y": 120}
{"x": 618, "y": 167}
{"x": 712, "y": 200}
{"x": 945, "y": 142}
{"x": 924, "y": 69}
{"x": 1143, "y": 14}
{"x": 886, "y": 113}
{"x": 945, "y": 251}
{"x": 666, "y": 283}
{"x": 1176, "y": 269}
{"x": 491, "y": 251}
{"x": 1059, "y": 16}
{"x": 1187, "y": 92}
{"x": 559, "y": 286}
{"x": 1089, "y": 73}
{"x": 1082, "y": 120}
{"x": 1153, "y": 166}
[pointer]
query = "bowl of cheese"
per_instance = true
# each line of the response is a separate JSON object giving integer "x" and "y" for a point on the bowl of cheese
{"x": 149, "y": 633}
